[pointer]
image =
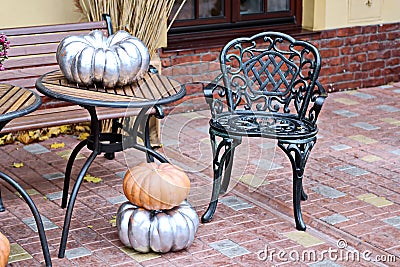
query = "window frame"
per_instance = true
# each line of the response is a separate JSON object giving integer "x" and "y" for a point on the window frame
{"x": 184, "y": 36}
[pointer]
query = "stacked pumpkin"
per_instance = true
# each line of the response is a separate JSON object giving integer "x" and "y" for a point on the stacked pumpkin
{"x": 157, "y": 216}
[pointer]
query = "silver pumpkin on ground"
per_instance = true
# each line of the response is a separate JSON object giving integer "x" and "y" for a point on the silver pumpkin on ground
{"x": 93, "y": 58}
{"x": 158, "y": 231}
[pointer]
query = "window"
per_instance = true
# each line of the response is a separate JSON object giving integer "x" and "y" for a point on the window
{"x": 205, "y": 23}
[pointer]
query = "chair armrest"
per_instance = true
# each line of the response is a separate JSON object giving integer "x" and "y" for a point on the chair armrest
{"x": 320, "y": 97}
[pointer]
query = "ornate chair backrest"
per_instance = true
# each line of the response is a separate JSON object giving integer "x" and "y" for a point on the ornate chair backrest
{"x": 270, "y": 72}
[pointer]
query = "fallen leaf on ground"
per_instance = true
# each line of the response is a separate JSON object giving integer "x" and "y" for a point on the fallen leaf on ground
{"x": 113, "y": 221}
{"x": 57, "y": 145}
{"x": 83, "y": 136}
{"x": 92, "y": 179}
{"x": 18, "y": 165}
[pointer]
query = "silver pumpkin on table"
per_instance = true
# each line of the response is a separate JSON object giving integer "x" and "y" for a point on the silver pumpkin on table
{"x": 157, "y": 230}
{"x": 93, "y": 58}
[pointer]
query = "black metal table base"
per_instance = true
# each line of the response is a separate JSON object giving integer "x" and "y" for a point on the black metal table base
{"x": 98, "y": 143}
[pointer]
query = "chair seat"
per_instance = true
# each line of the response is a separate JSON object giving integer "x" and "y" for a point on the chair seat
{"x": 262, "y": 124}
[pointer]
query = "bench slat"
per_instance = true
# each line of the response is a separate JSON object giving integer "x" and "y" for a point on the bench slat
{"x": 56, "y": 28}
{"x": 64, "y": 115}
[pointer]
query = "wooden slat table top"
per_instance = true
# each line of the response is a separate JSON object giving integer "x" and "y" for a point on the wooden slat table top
{"x": 153, "y": 89}
{"x": 16, "y": 101}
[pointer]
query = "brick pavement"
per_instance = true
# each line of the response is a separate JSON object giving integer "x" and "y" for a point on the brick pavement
{"x": 351, "y": 179}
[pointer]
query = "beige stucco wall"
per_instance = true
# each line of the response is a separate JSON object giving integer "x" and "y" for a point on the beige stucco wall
{"x": 17, "y": 13}
{"x": 331, "y": 14}
{"x": 317, "y": 14}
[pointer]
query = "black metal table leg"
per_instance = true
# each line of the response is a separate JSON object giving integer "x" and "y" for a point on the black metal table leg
{"x": 68, "y": 170}
{"x": 74, "y": 193}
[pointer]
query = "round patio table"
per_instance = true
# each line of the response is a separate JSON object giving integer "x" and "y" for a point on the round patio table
{"x": 149, "y": 92}
{"x": 16, "y": 102}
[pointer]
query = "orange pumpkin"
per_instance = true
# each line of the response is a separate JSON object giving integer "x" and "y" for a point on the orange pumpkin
{"x": 156, "y": 186}
{"x": 4, "y": 250}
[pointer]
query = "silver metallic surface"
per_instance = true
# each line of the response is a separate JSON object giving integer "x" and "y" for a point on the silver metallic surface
{"x": 158, "y": 231}
{"x": 94, "y": 58}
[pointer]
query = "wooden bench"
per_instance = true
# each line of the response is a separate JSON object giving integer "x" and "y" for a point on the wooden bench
{"x": 32, "y": 53}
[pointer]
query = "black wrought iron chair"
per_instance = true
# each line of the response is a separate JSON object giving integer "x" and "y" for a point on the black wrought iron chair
{"x": 267, "y": 88}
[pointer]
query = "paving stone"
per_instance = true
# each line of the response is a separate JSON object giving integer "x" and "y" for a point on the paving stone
{"x": 266, "y": 164}
{"x": 223, "y": 244}
{"x": 36, "y": 149}
{"x": 365, "y": 126}
{"x": 327, "y": 191}
{"x": 371, "y": 158}
{"x": 77, "y": 253}
{"x": 17, "y": 253}
{"x": 47, "y": 224}
{"x": 139, "y": 257}
{"x": 235, "y": 251}
{"x": 229, "y": 248}
{"x": 252, "y": 180}
{"x": 335, "y": 218}
{"x": 361, "y": 95}
{"x": 121, "y": 174}
{"x": 30, "y": 192}
{"x": 386, "y": 86}
{"x": 235, "y": 203}
{"x": 352, "y": 170}
{"x": 54, "y": 196}
{"x": 53, "y": 176}
{"x": 394, "y": 221}
{"x": 346, "y": 101}
{"x": 117, "y": 199}
{"x": 363, "y": 139}
{"x": 303, "y": 238}
{"x": 325, "y": 263}
{"x": 391, "y": 121}
{"x": 346, "y": 113}
{"x": 340, "y": 147}
{"x": 66, "y": 153}
{"x": 388, "y": 108}
{"x": 396, "y": 152}
{"x": 397, "y": 91}
{"x": 375, "y": 200}
{"x": 267, "y": 144}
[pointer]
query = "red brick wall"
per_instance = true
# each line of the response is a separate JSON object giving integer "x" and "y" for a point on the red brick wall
{"x": 355, "y": 57}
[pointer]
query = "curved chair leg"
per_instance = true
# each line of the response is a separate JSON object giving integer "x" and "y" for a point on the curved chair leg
{"x": 218, "y": 166}
{"x": 36, "y": 215}
{"x": 68, "y": 170}
{"x": 74, "y": 193}
{"x": 228, "y": 170}
{"x": 298, "y": 154}
{"x": 1, "y": 203}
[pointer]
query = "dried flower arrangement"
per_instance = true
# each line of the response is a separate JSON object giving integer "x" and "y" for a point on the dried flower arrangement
{"x": 140, "y": 18}
{"x": 4, "y": 46}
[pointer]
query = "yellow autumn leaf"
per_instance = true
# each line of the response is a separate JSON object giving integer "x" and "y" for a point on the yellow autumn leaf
{"x": 92, "y": 179}
{"x": 18, "y": 165}
{"x": 57, "y": 145}
{"x": 7, "y": 139}
{"x": 54, "y": 131}
{"x": 24, "y": 138}
{"x": 113, "y": 221}
{"x": 65, "y": 129}
{"x": 43, "y": 137}
{"x": 83, "y": 136}
{"x": 82, "y": 128}
{"x": 90, "y": 226}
